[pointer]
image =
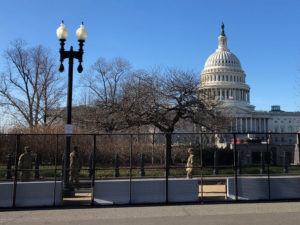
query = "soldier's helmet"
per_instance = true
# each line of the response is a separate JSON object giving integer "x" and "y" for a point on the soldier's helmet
{"x": 27, "y": 149}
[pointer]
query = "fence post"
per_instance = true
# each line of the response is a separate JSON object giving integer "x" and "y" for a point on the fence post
{"x": 142, "y": 171}
{"x": 91, "y": 165}
{"x": 94, "y": 168}
{"x": 239, "y": 163}
{"x": 16, "y": 170}
{"x": 268, "y": 138}
{"x": 235, "y": 167}
{"x": 130, "y": 170}
{"x": 201, "y": 161}
{"x": 152, "y": 149}
{"x": 116, "y": 173}
{"x": 215, "y": 170}
{"x": 8, "y": 167}
{"x": 262, "y": 163}
{"x": 62, "y": 166}
{"x": 285, "y": 163}
{"x": 55, "y": 169}
{"x": 37, "y": 167}
{"x": 167, "y": 161}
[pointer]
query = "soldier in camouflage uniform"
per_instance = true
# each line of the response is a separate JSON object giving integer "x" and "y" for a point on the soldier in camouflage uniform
{"x": 190, "y": 163}
{"x": 25, "y": 164}
{"x": 75, "y": 166}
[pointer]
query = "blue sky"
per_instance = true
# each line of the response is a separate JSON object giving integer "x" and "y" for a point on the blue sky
{"x": 264, "y": 35}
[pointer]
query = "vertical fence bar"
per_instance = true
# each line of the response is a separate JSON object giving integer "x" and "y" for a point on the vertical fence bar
{"x": 130, "y": 170}
{"x": 167, "y": 159}
{"x": 268, "y": 167}
{"x": 152, "y": 150}
{"x": 94, "y": 169}
{"x": 16, "y": 170}
{"x": 235, "y": 167}
{"x": 55, "y": 170}
{"x": 201, "y": 161}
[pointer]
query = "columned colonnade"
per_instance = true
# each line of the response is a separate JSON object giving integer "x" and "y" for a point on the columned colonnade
{"x": 249, "y": 124}
{"x": 227, "y": 94}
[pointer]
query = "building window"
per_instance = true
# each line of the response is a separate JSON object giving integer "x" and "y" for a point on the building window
{"x": 230, "y": 78}
{"x": 226, "y": 78}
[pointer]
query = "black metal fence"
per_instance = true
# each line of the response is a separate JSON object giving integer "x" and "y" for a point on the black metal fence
{"x": 224, "y": 162}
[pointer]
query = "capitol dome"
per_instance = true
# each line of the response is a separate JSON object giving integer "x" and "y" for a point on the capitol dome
{"x": 223, "y": 78}
{"x": 222, "y": 57}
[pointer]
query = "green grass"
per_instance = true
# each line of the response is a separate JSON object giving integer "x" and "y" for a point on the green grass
{"x": 47, "y": 172}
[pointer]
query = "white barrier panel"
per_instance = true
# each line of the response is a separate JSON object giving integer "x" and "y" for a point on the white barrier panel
{"x": 38, "y": 193}
{"x": 145, "y": 191}
{"x": 183, "y": 190}
{"x": 249, "y": 188}
{"x": 6, "y": 194}
{"x": 30, "y": 194}
{"x": 285, "y": 187}
{"x": 148, "y": 191}
{"x": 256, "y": 188}
{"x": 111, "y": 192}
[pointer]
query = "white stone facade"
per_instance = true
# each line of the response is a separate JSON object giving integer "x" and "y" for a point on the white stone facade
{"x": 223, "y": 79}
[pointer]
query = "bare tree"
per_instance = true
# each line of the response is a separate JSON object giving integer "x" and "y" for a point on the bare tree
{"x": 104, "y": 80}
{"x": 30, "y": 88}
{"x": 164, "y": 97}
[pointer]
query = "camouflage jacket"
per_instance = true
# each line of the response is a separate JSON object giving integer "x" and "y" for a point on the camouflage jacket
{"x": 25, "y": 161}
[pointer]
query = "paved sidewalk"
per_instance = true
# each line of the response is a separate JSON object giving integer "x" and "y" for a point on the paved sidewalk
{"x": 286, "y": 213}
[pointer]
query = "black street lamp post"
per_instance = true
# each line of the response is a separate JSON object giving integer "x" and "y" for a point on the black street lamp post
{"x": 62, "y": 34}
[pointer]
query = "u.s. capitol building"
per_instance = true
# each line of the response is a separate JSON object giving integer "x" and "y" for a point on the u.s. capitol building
{"x": 224, "y": 79}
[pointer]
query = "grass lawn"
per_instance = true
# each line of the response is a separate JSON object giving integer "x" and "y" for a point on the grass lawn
{"x": 47, "y": 172}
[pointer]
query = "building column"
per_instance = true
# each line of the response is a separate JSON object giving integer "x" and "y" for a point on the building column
{"x": 265, "y": 120}
{"x": 251, "y": 124}
{"x": 246, "y": 127}
{"x": 241, "y": 122}
{"x": 216, "y": 93}
{"x": 236, "y": 124}
{"x": 248, "y": 96}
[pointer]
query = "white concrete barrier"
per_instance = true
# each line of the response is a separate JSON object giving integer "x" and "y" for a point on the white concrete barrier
{"x": 256, "y": 188}
{"x": 145, "y": 191}
{"x": 111, "y": 192}
{"x": 285, "y": 187}
{"x": 6, "y": 194}
{"x": 183, "y": 190}
{"x": 148, "y": 191}
{"x": 30, "y": 194}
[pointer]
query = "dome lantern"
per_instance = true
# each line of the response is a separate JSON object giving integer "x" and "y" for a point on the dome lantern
{"x": 223, "y": 40}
